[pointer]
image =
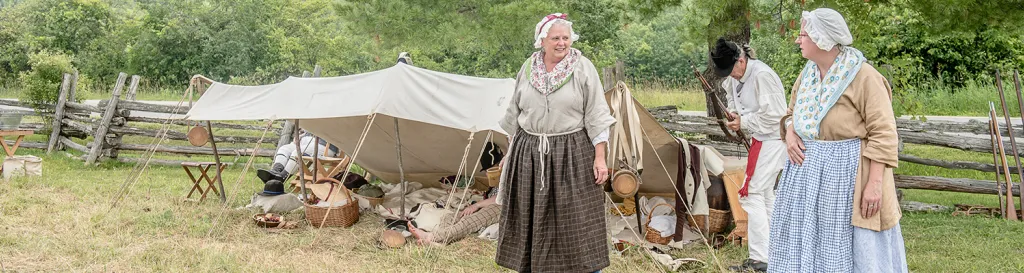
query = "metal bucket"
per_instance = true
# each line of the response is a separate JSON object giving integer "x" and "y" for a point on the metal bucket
{"x": 10, "y": 120}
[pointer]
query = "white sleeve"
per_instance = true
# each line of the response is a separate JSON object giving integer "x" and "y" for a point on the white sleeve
{"x": 771, "y": 100}
{"x": 602, "y": 137}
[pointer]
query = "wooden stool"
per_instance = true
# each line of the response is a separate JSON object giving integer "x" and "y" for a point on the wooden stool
{"x": 203, "y": 168}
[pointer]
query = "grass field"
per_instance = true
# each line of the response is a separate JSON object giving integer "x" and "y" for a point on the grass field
{"x": 64, "y": 220}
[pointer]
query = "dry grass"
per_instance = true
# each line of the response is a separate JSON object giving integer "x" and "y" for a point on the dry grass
{"x": 64, "y": 220}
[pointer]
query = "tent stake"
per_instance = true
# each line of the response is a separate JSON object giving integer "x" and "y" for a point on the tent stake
{"x": 401, "y": 172}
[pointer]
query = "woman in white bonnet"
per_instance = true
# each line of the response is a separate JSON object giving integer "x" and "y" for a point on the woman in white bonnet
{"x": 552, "y": 217}
{"x": 836, "y": 207}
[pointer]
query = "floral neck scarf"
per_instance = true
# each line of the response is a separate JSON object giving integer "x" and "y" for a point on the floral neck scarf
{"x": 547, "y": 82}
{"x": 816, "y": 94}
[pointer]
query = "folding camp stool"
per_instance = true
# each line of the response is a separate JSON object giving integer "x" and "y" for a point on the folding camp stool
{"x": 203, "y": 168}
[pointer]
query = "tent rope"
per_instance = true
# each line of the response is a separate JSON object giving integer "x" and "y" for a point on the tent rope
{"x": 138, "y": 169}
{"x": 458, "y": 174}
{"x": 241, "y": 176}
{"x": 348, "y": 169}
{"x": 704, "y": 239}
{"x": 470, "y": 171}
{"x": 635, "y": 234}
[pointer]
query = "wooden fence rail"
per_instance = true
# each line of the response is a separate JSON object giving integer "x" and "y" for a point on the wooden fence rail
{"x": 114, "y": 118}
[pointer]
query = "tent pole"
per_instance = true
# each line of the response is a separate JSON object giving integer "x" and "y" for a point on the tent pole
{"x": 401, "y": 172}
{"x": 216, "y": 159}
{"x": 213, "y": 144}
{"x": 298, "y": 158}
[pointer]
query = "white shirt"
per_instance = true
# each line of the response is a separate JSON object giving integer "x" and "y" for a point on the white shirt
{"x": 759, "y": 99}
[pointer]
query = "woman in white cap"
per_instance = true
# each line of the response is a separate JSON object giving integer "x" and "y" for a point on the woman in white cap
{"x": 552, "y": 217}
{"x": 836, "y": 207}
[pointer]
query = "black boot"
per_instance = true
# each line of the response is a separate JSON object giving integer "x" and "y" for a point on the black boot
{"x": 750, "y": 266}
{"x": 276, "y": 171}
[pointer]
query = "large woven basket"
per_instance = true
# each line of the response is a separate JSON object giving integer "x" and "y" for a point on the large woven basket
{"x": 716, "y": 221}
{"x": 340, "y": 216}
{"x": 653, "y": 235}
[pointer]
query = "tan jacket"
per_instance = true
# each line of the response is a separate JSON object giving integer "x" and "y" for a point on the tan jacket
{"x": 865, "y": 112}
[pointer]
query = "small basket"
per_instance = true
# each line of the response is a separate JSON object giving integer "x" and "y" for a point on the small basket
{"x": 264, "y": 224}
{"x": 374, "y": 202}
{"x": 653, "y": 235}
{"x": 717, "y": 221}
{"x": 341, "y": 216}
{"x": 493, "y": 176}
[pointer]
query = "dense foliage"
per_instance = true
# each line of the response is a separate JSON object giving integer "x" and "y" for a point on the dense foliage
{"x": 929, "y": 49}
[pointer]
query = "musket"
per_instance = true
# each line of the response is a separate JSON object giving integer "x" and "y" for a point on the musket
{"x": 720, "y": 111}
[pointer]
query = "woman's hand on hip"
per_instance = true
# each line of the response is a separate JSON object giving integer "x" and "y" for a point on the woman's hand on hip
{"x": 600, "y": 171}
{"x": 871, "y": 199}
{"x": 795, "y": 147}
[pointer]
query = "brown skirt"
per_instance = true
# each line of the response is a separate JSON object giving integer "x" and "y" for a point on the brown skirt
{"x": 559, "y": 227}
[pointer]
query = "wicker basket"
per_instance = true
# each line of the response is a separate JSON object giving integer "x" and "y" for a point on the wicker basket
{"x": 373, "y": 201}
{"x": 717, "y": 221}
{"x": 260, "y": 222}
{"x": 653, "y": 235}
{"x": 341, "y": 216}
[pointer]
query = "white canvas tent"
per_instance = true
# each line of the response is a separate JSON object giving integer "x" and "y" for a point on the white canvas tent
{"x": 436, "y": 113}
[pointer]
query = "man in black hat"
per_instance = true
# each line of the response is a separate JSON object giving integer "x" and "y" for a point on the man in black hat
{"x": 757, "y": 103}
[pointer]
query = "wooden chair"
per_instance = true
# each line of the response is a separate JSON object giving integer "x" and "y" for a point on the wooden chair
{"x": 323, "y": 165}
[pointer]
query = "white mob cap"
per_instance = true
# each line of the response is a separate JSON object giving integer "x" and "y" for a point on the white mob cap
{"x": 827, "y": 28}
{"x": 541, "y": 31}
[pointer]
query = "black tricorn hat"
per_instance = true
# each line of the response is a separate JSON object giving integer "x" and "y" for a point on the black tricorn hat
{"x": 724, "y": 56}
{"x": 273, "y": 187}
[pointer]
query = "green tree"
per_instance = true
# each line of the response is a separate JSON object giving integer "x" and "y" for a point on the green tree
{"x": 41, "y": 84}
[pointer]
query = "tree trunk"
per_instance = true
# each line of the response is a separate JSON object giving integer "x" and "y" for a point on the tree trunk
{"x": 731, "y": 23}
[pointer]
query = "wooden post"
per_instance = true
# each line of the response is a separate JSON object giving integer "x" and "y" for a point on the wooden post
{"x": 132, "y": 88}
{"x": 608, "y": 77}
{"x": 289, "y": 125}
{"x": 114, "y": 140}
{"x": 620, "y": 72}
{"x": 59, "y": 114}
{"x": 74, "y": 86}
{"x": 101, "y": 132}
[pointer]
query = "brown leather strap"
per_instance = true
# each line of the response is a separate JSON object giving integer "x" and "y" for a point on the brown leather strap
{"x": 695, "y": 160}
